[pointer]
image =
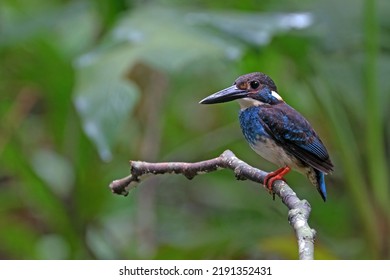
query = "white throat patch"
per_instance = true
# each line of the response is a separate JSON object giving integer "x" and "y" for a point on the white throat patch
{"x": 248, "y": 102}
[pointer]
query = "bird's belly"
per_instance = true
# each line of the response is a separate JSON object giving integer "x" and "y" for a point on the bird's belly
{"x": 269, "y": 150}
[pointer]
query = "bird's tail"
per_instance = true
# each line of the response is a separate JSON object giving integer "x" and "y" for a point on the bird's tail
{"x": 320, "y": 178}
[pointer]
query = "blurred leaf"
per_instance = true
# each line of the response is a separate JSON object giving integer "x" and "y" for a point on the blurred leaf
{"x": 22, "y": 22}
{"x": 168, "y": 40}
{"x": 103, "y": 97}
{"x": 52, "y": 247}
{"x": 37, "y": 197}
{"x": 98, "y": 242}
{"x": 114, "y": 234}
{"x": 55, "y": 170}
{"x": 17, "y": 238}
{"x": 253, "y": 28}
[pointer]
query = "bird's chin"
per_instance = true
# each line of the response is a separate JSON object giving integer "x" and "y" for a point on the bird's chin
{"x": 248, "y": 102}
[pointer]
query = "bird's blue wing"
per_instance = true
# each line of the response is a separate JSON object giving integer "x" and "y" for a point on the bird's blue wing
{"x": 294, "y": 133}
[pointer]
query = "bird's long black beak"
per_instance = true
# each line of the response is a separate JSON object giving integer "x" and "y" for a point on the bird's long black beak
{"x": 225, "y": 95}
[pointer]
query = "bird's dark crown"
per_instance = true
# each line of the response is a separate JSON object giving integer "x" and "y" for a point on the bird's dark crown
{"x": 253, "y": 82}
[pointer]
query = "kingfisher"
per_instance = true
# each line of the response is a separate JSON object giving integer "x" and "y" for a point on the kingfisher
{"x": 276, "y": 131}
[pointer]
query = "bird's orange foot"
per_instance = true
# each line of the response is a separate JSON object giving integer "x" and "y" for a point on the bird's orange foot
{"x": 273, "y": 176}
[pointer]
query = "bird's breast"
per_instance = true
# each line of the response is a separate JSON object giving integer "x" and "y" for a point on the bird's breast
{"x": 263, "y": 144}
{"x": 251, "y": 125}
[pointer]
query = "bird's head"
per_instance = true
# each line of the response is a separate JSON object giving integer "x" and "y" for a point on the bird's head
{"x": 252, "y": 89}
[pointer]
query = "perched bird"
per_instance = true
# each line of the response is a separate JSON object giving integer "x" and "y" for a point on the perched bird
{"x": 276, "y": 131}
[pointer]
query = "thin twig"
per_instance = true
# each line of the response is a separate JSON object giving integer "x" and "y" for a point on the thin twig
{"x": 299, "y": 210}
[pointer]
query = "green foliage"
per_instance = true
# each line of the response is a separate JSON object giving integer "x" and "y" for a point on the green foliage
{"x": 86, "y": 86}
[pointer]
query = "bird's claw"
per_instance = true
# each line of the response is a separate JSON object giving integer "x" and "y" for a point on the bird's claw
{"x": 274, "y": 176}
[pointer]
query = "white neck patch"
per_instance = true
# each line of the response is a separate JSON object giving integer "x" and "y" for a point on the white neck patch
{"x": 249, "y": 102}
{"x": 276, "y": 95}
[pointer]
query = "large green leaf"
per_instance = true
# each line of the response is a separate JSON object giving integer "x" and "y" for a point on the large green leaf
{"x": 253, "y": 28}
{"x": 104, "y": 97}
{"x": 168, "y": 40}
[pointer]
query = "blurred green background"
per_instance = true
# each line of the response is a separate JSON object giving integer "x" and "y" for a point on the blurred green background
{"x": 85, "y": 86}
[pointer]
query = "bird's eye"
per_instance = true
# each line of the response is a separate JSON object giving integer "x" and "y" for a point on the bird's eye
{"x": 254, "y": 84}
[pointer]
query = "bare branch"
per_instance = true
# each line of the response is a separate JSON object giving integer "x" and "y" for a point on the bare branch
{"x": 299, "y": 210}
